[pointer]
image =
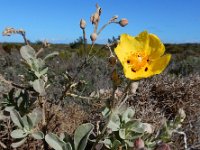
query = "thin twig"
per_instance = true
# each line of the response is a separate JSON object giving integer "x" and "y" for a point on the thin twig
{"x": 3, "y": 145}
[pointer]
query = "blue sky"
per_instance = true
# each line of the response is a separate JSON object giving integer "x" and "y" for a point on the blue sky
{"x": 174, "y": 21}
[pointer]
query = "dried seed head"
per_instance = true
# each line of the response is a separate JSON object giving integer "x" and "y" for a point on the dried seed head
{"x": 82, "y": 24}
{"x": 123, "y": 22}
{"x": 45, "y": 43}
{"x": 93, "y": 37}
{"x": 139, "y": 143}
{"x": 8, "y": 31}
{"x": 114, "y": 18}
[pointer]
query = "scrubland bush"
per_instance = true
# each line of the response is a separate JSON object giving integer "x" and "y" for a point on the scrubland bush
{"x": 84, "y": 100}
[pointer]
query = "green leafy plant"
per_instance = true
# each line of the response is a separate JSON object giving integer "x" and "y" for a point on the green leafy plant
{"x": 26, "y": 126}
{"x": 64, "y": 142}
{"x": 122, "y": 128}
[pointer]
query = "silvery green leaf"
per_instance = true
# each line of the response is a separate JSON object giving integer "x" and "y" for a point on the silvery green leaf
{"x": 27, "y": 52}
{"x": 135, "y": 125}
{"x": 16, "y": 118}
{"x": 9, "y": 108}
{"x": 129, "y": 143}
{"x": 37, "y": 65}
{"x": 39, "y": 86}
{"x": 19, "y": 143}
{"x": 81, "y": 135}
{"x": 38, "y": 135}
{"x": 115, "y": 145}
{"x": 122, "y": 133}
{"x": 108, "y": 143}
{"x": 35, "y": 116}
{"x": 51, "y": 55}
{"x": 131, "y": 135}
{"x": 128, "y": 114}
{"x": 106, "y": 112}
{"x": 65, "y": 137}
{"x": 114, "y": 123}
{"x": 25, "y": 123}
{"x": 67, "y": 146}
{"x": 54, "y": 141}
{"x": 44, "y": 71}
{"x": 18, "y": 134}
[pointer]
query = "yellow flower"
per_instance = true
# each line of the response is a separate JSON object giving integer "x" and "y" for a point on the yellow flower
{"x": 141, "y": 56}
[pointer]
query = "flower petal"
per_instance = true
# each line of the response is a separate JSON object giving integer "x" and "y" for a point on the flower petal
{"x": 160, "y": 64}
{"x": 136, "y": 75}
{"x": 156, "y": 47}
{"x": 126, "y": 45}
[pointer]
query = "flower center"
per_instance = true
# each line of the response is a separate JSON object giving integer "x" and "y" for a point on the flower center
{"x": 136, "y": 61}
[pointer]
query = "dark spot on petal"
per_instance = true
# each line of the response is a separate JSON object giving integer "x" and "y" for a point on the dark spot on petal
{"x": 146, "y": 69}
{"x": 147, "y": 60}
{"x": 133, "y": 70}
{"x": 128, "y": 61}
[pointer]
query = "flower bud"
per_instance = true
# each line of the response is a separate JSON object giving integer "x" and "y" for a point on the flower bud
{"x": 95, "y": 18}
{"x": 112, "y": 60}
{"x": 139, "y": 143}
{"x": 123, "y": 22}
{"x": 82, "y": 24}
{"x": 93, "y": 37}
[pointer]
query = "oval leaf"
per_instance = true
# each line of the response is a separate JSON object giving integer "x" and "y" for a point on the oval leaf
{"x": 54, "y": 141}
{"x": 35, "y": 116}
{"x": 51, "y": 55}
{"x": 38, "y": 86}
{"x": 38, "y": 135}
{"x": 16, "y": 118}
{"x": 27, "y": 52}
{"x": 128, "y": 114}
{"x": 114, "y": 123}
{"x": 17, "y": 144}
{"x": 81, "y": 135}
{"x": 18, "y": 134}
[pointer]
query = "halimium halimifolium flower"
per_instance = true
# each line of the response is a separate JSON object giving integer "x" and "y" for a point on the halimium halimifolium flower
{"x": 141, "y": 56}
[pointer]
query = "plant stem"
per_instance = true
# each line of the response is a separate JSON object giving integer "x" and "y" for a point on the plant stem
{"x": 42, "y": 101}
{"x": 123, "y": 98}
{"x": 84, "y": 40}
{"x": 112, "y": 106}
{"x": 25, "y": 39}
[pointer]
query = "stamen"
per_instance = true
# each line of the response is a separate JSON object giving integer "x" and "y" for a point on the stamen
{"x": 133, "y": 70}
{"x": 128, "y": 61}
{"x": 146, "y": 69}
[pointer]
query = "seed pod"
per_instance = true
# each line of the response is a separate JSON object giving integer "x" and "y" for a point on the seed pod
{"x": 123, "y": 22}
{"x": 93, "y": 37}
{"x": 139, "y": 143}
{"x": 82, "y": 24}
